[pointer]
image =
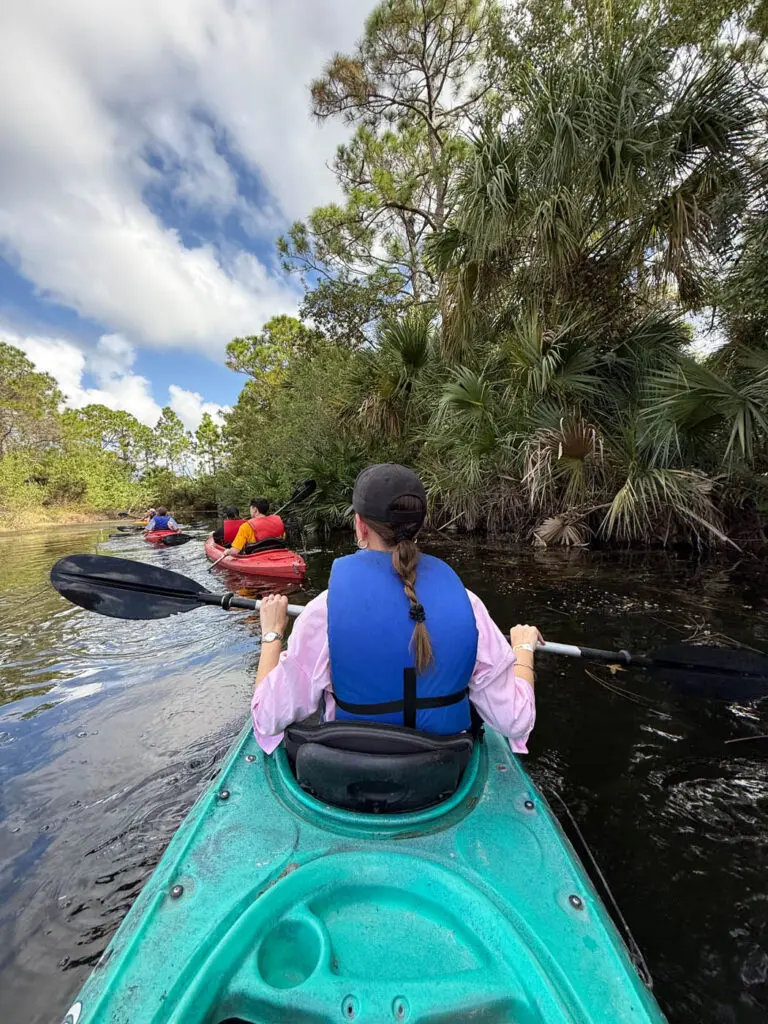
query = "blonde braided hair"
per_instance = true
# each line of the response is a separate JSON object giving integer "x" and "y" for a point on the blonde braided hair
{"x": 405, "y": 557}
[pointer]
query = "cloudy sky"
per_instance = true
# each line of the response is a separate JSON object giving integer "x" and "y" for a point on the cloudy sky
{"x": 150, "y": 153}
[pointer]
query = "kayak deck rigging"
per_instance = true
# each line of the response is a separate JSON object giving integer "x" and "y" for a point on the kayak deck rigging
{"x": 269, "y": 905}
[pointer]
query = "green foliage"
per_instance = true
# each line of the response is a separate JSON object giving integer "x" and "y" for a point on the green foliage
{"x": 112, "y": 431}
{"x": 174, "y": 443}
{"x": 209, "y": 445}
{"x": 605, "y": 182}
{"x": 57, "y": 465}
{"x": 28, "y": 404}
{"x": 537, "y": 202}
{"x": 413, "y": 86}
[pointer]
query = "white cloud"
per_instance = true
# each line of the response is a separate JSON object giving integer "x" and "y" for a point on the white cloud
{"x": 115, "y": 88}
{"x": 110, "y": 363}
{"x": 190, "y": 406}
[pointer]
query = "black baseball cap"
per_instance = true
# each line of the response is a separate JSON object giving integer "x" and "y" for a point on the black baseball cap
{"x": 378, "y": 488}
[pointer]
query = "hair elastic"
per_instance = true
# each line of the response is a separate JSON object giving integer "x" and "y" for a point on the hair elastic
{"x": 417, "y": 612}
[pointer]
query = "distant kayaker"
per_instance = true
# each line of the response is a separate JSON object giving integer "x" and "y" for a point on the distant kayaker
{"x": 161, "y": 521}
{"x": 396, "y": 638}
{"x": 261, "y": 526}
{"x": 147, "y": 516}
{"x": 227, "y": 532}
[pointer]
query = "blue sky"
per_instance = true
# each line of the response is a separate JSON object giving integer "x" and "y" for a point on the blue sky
{"x": 149, "y": 163}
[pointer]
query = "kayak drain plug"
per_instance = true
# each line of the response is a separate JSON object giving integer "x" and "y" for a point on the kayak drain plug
{"x": 223, "y": 794}
{"x": 350, "y": 1008}
{"x": 576, "y": 902}
{"x": 177, "y": 891}
{"x": 529, "y": 805}
{"x": 400, "y": 1008}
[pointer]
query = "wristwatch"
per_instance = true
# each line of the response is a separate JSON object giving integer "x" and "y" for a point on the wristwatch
{"x": 269, "y": 637}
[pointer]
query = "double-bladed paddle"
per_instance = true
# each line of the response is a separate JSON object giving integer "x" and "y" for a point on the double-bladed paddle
{"x": 302, "y": 491}
{"x": 125, "y": 589}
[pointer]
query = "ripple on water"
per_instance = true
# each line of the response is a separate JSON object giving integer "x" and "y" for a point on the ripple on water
{"x": 110, "y": 729}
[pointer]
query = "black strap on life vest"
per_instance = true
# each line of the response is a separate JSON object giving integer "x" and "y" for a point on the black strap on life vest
{"x": 409, "y": 705}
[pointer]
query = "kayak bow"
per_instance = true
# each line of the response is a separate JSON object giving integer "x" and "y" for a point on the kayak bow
{"x": 269, "y": 905}
{"x": 156, "y": 536}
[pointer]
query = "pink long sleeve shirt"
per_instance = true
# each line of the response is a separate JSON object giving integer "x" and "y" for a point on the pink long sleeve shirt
{"x": 301, "y": 680}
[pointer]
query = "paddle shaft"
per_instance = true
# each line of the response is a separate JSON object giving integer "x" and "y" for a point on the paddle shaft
{"x": 548, "y": 647}
{"x": 595, "y": 654}
{"x": 227, "y": 601}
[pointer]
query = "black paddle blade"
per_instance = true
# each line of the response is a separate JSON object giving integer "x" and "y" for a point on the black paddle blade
{"x": 714, "y": 673}
{"x": 130, "y": 529}
{"x": 302, "y": 491}
{"x": 175, "y": 540}
{"x": 124, "y": 589}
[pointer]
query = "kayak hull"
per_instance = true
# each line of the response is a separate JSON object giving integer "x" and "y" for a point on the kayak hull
{"x": 271, "y": 906}
{"x": 156, "y": 536}
{"x": 281, "y": 564}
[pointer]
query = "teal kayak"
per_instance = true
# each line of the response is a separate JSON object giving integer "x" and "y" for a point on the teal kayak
{"x": 272, "y": 906}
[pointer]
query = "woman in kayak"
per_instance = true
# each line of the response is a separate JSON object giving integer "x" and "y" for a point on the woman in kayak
{"x": 161, "y": 520}
{"x": 396, "y": 638}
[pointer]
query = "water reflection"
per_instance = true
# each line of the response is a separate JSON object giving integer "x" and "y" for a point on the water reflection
{"x": 109, "y": 729}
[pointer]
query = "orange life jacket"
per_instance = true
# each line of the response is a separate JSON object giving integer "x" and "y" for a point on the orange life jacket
{"x": 267, "y": 526}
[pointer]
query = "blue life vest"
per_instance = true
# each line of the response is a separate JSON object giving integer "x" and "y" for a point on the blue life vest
{"x": 369, "y": 636}
{"x": 161, "y": 523}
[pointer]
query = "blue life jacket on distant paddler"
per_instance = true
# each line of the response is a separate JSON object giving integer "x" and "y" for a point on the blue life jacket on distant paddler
{"x": 161, "y": 522}
{"x": 369, "y": 636}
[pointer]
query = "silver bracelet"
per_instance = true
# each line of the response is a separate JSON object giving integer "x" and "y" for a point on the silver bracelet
{"x": 524, "y": 647}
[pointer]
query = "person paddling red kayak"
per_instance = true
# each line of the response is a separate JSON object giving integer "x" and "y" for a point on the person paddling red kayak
{"x": 160, "y": 525}
{"x": 261, "y": 526}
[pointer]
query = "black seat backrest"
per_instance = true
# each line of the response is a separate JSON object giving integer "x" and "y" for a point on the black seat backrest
{"x": 268, "y": 544}
{"x": 371, "y": 768}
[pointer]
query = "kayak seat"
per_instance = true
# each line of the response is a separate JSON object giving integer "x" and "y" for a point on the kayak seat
{"x": 375, "y": 769}
{"x": 269, "y": 544}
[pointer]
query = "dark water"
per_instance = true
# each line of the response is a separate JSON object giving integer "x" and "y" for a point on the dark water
{"x": 109, "y": 730}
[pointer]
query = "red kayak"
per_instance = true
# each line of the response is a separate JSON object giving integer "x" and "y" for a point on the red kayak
{"x": 156, "y": 536}
{"x": 274, "y": 560}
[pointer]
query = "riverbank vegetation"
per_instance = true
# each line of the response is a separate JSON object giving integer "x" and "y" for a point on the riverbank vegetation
{"x": 541, "y": 207}
{"x": 65, "y": 465}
